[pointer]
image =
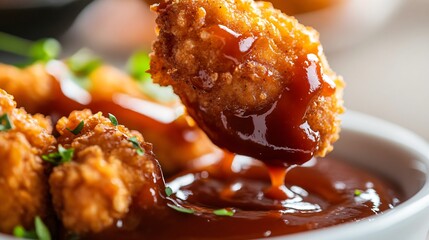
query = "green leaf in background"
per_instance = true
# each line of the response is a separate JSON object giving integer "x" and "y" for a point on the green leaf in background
{"x": 39, "y": 51}
{"x": 138, "y": 64}
{"x": 83, "y": 62}
{"x": 45, "y": 50}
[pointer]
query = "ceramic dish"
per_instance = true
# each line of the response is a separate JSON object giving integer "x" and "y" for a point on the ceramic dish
{"x": 396, "y": 154}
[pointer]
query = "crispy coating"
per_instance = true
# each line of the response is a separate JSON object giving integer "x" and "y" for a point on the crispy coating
{"x": 239, "y": 56}
{"x": 23, "y": 183}
{"x": 106, "y": 175}
{"x": 31, "y": 86}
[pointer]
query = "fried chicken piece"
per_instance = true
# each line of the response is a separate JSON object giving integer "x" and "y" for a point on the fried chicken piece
{"x": 31, "y": 86}
{"x": 255, "y": 80}
{"x": 23, "y": 183}
{"x": 112, "y": 167}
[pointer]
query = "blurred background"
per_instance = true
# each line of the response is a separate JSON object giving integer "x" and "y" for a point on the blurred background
{"x": 381, "y": 47}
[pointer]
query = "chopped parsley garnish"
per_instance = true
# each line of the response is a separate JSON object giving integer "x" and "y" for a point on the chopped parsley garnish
{"x": 168, "y": 191}
{"x": 41, "y": 232}
{"x": 84, "y": 62}
{"x": 77, "y": 129}
{"x": 113, "y": 119}
{"x": 357, "y": 192}
{"x": 5, "y": 123}
{"x": 63, "y": 155}
{"x": 20, "y": 232}
{"x": 181, "y": 209}
{"x": 138, "y": 64}
{"x": 136, "y": 145}
{"x": 223, "y": 212}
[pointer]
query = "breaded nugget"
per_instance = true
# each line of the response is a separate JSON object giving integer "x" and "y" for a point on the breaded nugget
{"x": 23, "y": 183}
{"x": 255, "y": 80}
{"x": 31, "y": 86}
{"x": 112, "y": 167}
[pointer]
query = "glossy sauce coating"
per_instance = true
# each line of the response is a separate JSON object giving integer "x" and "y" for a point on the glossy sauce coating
{"x": 324, "y": 195}
{"x": 277, "y": 134}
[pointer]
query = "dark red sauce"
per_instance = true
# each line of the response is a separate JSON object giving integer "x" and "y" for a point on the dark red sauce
{"x": 324, "y": 195}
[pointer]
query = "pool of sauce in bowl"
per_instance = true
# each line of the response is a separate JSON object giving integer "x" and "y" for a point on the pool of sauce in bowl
{"x": 326, "y": 192}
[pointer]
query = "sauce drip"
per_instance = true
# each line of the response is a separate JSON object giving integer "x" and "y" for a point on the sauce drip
{"x": 278, "y": 189}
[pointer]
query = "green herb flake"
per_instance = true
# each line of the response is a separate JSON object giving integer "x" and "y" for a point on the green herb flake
{"x": 84, "y": 62}
{"x": 168, "y": 191}
{"x": 20, "y": 232}
{"x": 223, "y": 212}
{"x": 77, "y": 129}
{"x": 62, "y": 156}
{"x": 138, "y": 64}
{"x": 181, "y": 209}
{"x": 136, "y": 145}
{"x": 41, "y": 230}
{"x": 113, "y": 119}
{"x": 357, "y": 192}
{"x": 5, "y": 123}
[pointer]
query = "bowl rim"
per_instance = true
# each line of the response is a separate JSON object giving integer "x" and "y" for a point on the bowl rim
{"x": 377, "y": 128}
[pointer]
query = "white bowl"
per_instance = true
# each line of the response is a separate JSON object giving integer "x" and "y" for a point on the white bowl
{"x": 394, "y": 153}
{"x": 349, "y": 21}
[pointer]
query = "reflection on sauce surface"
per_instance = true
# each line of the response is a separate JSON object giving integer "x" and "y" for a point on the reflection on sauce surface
{"x": 324, "y": 195}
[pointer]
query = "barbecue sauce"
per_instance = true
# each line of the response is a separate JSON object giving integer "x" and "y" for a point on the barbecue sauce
{"x": 324, "y": 194}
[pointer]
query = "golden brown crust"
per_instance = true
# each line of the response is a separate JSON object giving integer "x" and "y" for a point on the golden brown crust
{"x": 31, "y": 86}
{"x": 108, "y": 168}
{"x": 23, "y": 183}
{"x": 193, "y": 54}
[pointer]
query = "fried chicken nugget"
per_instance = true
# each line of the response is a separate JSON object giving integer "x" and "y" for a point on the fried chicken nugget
{"x": 31, "y": 86}
{"x": 112, "y": 167}
{"x": 255, "y": 80}
{"x": 23, "y": 183}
